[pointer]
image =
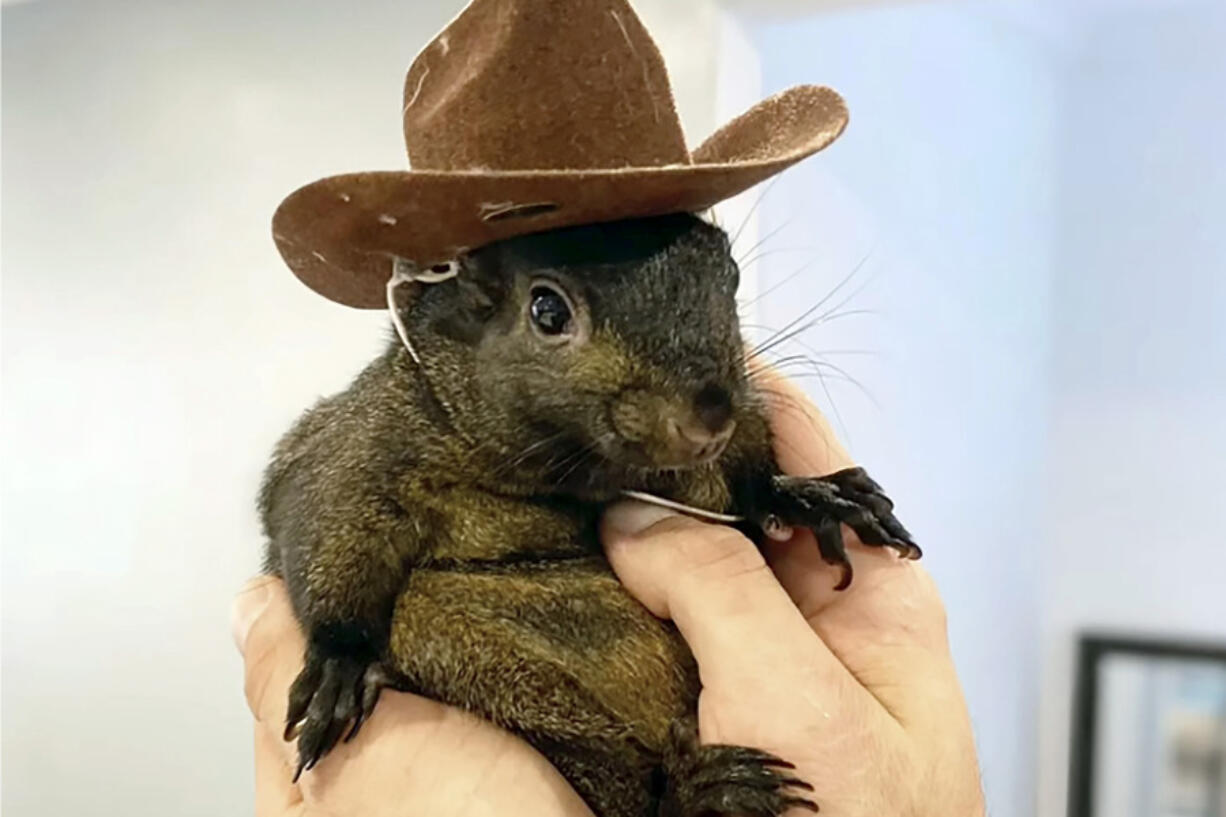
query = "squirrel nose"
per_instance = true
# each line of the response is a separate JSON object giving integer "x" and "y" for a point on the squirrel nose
{"x": 713, "y": 407}
{"x": 696, "y": 443}
{"x": 705, "y": 434}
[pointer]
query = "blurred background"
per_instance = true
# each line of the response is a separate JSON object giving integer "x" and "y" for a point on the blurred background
{"x": 1028, "y": 347}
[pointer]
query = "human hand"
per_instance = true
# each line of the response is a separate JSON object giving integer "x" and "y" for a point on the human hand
{"x": 856, "y": 688}
{"x": 416, "y": 756}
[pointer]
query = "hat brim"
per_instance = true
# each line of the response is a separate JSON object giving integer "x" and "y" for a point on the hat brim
{"x": 340, "y": 235}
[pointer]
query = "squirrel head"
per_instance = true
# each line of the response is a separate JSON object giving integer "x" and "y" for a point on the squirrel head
{"x": 598, "y": 354}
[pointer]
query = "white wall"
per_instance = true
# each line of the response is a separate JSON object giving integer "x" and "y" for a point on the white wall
{"x": 155, "y": 346}
{"x": 945, "y": 183}
{"x": 1137, "y": 469}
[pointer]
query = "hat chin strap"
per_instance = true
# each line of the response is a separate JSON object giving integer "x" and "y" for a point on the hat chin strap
{"x": 406, "y": 272}
{"x": 690, "y": 510}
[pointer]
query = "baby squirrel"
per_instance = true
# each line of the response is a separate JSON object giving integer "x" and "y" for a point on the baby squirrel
{"x": 436, "y": 522}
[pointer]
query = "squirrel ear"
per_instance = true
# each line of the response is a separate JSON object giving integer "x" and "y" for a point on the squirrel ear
{"x": 481, "y": 289}
{"x": 479, "y": 293}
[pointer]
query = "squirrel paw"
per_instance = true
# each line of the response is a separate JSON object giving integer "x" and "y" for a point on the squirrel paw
{"x": 716, "y": 780}
{"x": 330, "y": 694}
{"x": 849, "y": 497}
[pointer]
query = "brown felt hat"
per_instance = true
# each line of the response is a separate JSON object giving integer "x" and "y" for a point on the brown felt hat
{"x": 527, "y": 115}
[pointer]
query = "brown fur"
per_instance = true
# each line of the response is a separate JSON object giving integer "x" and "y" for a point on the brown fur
{"x": 437, "y": 524}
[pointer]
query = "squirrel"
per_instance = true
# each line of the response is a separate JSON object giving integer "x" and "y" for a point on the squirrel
{"x": 436, "y": 522}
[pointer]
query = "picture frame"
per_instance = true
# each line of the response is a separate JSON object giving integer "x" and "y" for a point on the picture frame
{"x": 1149, "y": 728}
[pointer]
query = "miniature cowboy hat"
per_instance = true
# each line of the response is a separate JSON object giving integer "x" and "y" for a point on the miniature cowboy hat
{"x": 528, "y": 115}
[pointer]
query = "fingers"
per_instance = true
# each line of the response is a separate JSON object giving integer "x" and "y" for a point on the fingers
{"x": 418, "y": 756}
{"x": 272, "y": 645}
{"x": 744, "y": 631}
{"x": 888, "y": 628}
{"x": 268, "y": 637}
{"x": 275, "y": 795}
{"x": 412, "y": 750}
{"x": 805, "y": 444}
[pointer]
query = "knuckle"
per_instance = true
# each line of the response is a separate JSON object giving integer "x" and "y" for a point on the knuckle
{"x": 677, "y": 526}
{"x": 718, "y": 552}
{"x": 258, "y": 683}
{"x": 930, "y": 614}
{"x": 929, "y": 594}
{"x": 271, "y": 668}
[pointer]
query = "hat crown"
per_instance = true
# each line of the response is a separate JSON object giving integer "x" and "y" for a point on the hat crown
{"x": 541, "y": 85}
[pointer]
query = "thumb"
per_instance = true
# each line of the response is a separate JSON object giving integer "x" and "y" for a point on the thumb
{"x": 713, "y": 583}
{"x": 249, "y": 604}
{"x": 268, "y": 636}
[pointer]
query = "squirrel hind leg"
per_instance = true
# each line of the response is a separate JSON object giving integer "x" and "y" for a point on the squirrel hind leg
{"x": 329, "y": 701}
{"x": 613, "y": 778}
{"x": 723, "y": 780}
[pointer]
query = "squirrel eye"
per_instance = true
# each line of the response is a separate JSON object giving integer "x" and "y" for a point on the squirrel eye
{"x": 549, "y": 310}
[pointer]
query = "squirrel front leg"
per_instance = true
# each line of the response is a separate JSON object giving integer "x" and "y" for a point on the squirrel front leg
{"x": 344, "y": 560}
{"x": 772, "y": 502}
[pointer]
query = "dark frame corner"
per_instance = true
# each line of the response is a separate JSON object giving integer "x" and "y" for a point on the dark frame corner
{"x": 1091, "y": 647}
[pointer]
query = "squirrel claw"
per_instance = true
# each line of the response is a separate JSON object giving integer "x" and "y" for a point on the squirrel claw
{"x": 298, "y": 772}
{"x": 330, "y": 694}
{"x": 374, "y": 681}
{"x": 849, "y": 497}
{"x": 717, "y": 779}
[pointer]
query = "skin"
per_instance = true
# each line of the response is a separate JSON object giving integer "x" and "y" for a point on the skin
{"x": 857, "y": 688}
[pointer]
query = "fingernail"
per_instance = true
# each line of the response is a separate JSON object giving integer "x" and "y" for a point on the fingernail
{"x": 632, "y": 518}
{"x": 247, "y": 608}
